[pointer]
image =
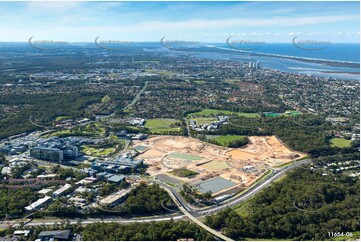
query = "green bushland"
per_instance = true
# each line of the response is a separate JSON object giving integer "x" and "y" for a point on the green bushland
{"x": 191, "y": 194}
{"x": 313, "y": 141}
{"x": 271, "y": 214}
{"x": 232, "y": 141}
{"x": 13, "y": 201}
{"x": 144, "y": 200}
{"x": 183, "y": 172}
{"x": 155, "y": 231}
{"x": 44, "y": 108}
{"x": 93, "y": 129}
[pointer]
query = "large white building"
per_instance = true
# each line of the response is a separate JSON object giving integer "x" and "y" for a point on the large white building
{"x": 38, "y": 204}
{"x": 61, "y": 190}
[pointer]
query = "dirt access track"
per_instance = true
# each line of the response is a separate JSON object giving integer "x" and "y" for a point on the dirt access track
{"x": 242, "y": 165}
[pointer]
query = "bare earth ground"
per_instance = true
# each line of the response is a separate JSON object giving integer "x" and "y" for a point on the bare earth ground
{"x": 262, "y": 152}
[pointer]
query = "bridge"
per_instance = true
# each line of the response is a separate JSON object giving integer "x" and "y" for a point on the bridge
{"x": 194, "y": 219}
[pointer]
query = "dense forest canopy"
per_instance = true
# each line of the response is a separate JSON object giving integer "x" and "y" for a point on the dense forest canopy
{"x": 158, "y": 231}
{"x": 303, "y": 206}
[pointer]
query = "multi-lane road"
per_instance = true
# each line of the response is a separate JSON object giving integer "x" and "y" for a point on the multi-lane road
{"x": 242, "y": 197}
{"x": 192, "y": 213}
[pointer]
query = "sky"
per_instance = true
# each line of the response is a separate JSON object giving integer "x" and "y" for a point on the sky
{"x": 277, "y": 22}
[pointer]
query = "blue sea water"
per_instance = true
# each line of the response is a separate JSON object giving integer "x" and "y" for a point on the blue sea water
{"x": 349, "y": 52}
{"x": 281, "y": 57}
{"x": 343, "y": 59}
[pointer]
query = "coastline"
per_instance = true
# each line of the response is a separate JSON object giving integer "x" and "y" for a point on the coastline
{"x": 330, "y": 62}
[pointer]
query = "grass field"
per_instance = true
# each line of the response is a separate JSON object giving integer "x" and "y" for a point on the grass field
{"x": 96, "y": 152}
{"x": 60, "y": 118}
{"x": 92, "y": 150}
{"x": 185, "y": 156}
{"x": 215, "y": 112}
{"x": 216, "y": 165}
{"x": 159, "y": 126}
{"x": 340, "y": 142}
{"x": 105, "y": 99}
{"x": 183, "y": 172}
{"x": 292, "y": 112}
{"x": 160, "y": 72}
{"x": 224, "y": 140}
{"x": 205, "y": 120}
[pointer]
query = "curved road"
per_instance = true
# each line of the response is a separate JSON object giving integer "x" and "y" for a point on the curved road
{"x": 192, "y": 213}
{"x": 242, "y": 197}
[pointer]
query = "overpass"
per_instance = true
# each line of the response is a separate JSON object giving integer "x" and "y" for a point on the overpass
{"x": 190, "y": 212}
{"x": 195, "y": 220}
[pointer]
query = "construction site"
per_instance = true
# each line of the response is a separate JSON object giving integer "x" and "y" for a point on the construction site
{"x": 235, "y": 168}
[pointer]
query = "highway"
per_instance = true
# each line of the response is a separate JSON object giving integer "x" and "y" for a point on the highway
{"x": 39, "y": 222}
{"x": 190, "y": 212}
{"x": 242, "y": 197}
{"x": 195, "y": 220}
{"x": 137, "y": 97}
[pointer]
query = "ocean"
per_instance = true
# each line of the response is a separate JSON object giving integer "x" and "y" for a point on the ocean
{"x": 339, "y": 61}
{"x": 337, "y": 52}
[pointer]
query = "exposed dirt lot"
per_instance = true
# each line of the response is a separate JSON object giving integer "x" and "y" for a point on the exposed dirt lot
{"x": 265, "y": 149}
{"x": 166, "y": 153}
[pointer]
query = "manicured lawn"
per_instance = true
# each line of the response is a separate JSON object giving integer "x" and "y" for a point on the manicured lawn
{"x": 159, "y": 123}
{"x": 183, "y": 172}
{"x": 340, "y": 142}
{"x": 96, "y": 152}
{"x": 205, "y": 120}
{"x": 224, "y": 140}
{"x": 215, "y": 112}
{"x": 185, "y": 156}
{"x": 158, "y": 126}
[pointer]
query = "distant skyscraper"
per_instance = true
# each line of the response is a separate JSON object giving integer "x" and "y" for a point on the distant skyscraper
{"x": 254, "y": 65}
